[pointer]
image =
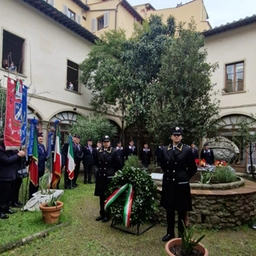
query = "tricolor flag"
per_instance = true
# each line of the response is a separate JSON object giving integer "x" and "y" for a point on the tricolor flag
{"x": 70, "y": 165}
{"x": 33, "y": 167}
{"x": 56, "y": 174}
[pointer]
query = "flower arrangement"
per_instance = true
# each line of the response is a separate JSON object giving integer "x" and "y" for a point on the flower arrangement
{"x": 220, "y": 163}
{"x": 200, "y": 163}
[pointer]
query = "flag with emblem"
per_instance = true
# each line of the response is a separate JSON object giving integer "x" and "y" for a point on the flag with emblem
{"x": 70, "y": 165}
{"x": 33, "y": 167}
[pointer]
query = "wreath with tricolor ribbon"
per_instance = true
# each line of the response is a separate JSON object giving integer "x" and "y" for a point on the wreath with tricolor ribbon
{"x": 131, "y": 197}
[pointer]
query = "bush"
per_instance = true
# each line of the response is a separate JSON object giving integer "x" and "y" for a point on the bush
{"x": 224, "y": 175}
{"x": 132, "y": 161}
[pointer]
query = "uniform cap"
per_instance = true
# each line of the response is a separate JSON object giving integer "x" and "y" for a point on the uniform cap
{"x": 106, "y": 138}
{"x": 177, "y": 130}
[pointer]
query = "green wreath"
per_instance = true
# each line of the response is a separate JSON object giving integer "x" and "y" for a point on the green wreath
{"x": 144, "y": 198}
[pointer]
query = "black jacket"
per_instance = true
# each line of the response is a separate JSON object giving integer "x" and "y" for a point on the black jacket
{"x": 89, "y": 156}
{"x": 178, "y": 166}
{"x": 42, "y": 155}
{"x": 10, "y": 163}
{"x": 208, "y": 156}
{"x": 145, "y": 156}
{"x": 130, "y": 152}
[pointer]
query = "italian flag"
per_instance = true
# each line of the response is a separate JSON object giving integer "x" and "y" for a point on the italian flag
{"x": 70, "y": 165}
{"x": 56, "y": 174}
{"x": 33, "y": 167}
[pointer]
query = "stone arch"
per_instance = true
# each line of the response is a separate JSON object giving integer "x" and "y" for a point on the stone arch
{"x": 228, "y": 127}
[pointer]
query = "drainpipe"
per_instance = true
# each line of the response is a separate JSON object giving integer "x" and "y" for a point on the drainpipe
{"x": 116, "y": 14}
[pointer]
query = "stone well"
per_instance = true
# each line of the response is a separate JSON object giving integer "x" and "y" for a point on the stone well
{"x": 219, "y": 206}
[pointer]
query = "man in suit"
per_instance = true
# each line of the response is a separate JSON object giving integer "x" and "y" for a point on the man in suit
{"x": 179, "y": 166}
{"x": 120, "y": 153}
{"x": 207, "y": 154}
{"x": 88, "y": 161}
{"x": 107, "y": 163}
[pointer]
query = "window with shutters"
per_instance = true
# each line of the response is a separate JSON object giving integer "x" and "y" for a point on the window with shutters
{"x": 72, "y": 76}
{"x": 13, "y": 52}
{"x": 100, "y": 23}
{"x": 71, "y": 15}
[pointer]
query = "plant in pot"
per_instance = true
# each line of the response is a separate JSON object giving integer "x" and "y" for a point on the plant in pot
{"x": 186, "y": 245}
{"x": 51, "y": 210}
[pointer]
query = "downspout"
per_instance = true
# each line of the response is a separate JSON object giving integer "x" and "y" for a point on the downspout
{"x": 116, "y": 14}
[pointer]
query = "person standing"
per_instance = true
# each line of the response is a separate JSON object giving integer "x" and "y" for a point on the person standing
{"x": 179, "y": 166}
{"x": 194, "y": 150}
{"x": 207, "y": 154}
{"x": 120, "y": 153}
{"x": 145, "y": 156}
{"x": 158, "y": 154}
{"x": 10, "y": 162}
{"x": 107, "y": 163}
{"x": 78, "y": 155}
{"x": 130, "y": 150}
{"x": 88, "y": 161}
{"x": 42, "y": 155}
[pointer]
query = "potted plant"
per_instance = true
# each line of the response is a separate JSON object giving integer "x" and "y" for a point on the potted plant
{"x": 186, "y": 245}
{"x": 51, "y": 210}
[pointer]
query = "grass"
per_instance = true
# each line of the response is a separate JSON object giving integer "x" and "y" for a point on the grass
{"x": 85, "y": 236}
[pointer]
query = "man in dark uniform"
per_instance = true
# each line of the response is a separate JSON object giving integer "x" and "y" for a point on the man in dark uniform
{"x": 194, "y": 150}
{"x": 88, "y": 161}
{"x": 207, "y": 154}
{"x": 120, "y": 153}
{"x": 145, "y": 156}
{"x": 78, "y": 155}
{"x": 179, "y": 166}
{"x": 107, "y": 163}
{"x": 130, "y": 150}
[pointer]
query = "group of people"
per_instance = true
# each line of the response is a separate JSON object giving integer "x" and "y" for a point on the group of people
{"x": 177, "y": 161}
{"x": 9, "y": 66}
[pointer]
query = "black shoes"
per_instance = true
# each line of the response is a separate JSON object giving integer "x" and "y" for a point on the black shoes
{"x": 105, "y": 219}
{"x": 17, "y": 204}
{"x": 10, "y": 211}
{"x": 90, "y": 182}
{"x": 68, "y": 187}
{"x": 74, "y": 185}
{"x": 3, "y": 216}
{"x": 167, "y": 237}
{"x": 99, "y": 218}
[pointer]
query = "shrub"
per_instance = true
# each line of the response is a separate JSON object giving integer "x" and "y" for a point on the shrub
{"x": 224, "y": 175}
{"x": 132, "y": 161}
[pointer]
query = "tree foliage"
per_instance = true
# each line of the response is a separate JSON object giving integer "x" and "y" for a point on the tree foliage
{"x": 156, "y": 79}
{"x": 94, "y": 128}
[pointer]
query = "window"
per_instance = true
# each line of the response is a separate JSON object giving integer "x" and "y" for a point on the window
{"x": 71, "y": 15}
{"x": 12, "y": 52}
{"x": 234, "y": 77}
{"x": 100, "y": 23}
{"x": 51, "y": 2}
{"x": 72, "y": 76}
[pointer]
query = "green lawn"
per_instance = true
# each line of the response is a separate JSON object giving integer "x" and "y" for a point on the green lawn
{"x": 85, "y": 236}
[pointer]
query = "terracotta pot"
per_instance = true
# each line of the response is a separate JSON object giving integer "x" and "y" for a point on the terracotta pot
{"x": 178, "y": 241}
{"x": 51, "y": 214}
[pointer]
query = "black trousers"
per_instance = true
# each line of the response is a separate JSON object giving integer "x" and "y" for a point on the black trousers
{"x": 77, "y": 170}
{"x": 171, "y": 222}
{"x": 88, "y": 172}
{"x": 5, "y": 195}
{"x": 15, "y": 189}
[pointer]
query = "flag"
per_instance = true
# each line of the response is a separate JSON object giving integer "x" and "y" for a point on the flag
{"x": 49, "y": 157}
{"x": 33, "y": 167}
{"x": 70, "y": 165}
{"x": 15, "y": 115}
{"x": 56, "y": 174}
{"x": 23, "y": 134}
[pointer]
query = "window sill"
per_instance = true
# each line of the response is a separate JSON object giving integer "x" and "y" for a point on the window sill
{"x": 13, "y": 73}
{"x": 73, "y": 91}
{"x": 230, "y": 93}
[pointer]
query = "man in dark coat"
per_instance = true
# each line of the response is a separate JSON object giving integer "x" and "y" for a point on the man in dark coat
{"x": 145, "y": 156}
{"x": 158, "y": 154}
{"x": 207, "y": 154}
{"x": 78, "y": 157}
{"x": 130, "y": 150}
{"x": 194, "y": 150}
{"x": 88, "y": 161}
{"x": 120, "y": 153}
{"x": 42, "y": 155}
{"x": 10, "y": 162}
{"x": 179, "y": 166}
{"x": 107, "y": 163}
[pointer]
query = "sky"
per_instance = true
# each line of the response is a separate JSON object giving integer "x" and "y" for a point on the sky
{"x": 220, "y": 11}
